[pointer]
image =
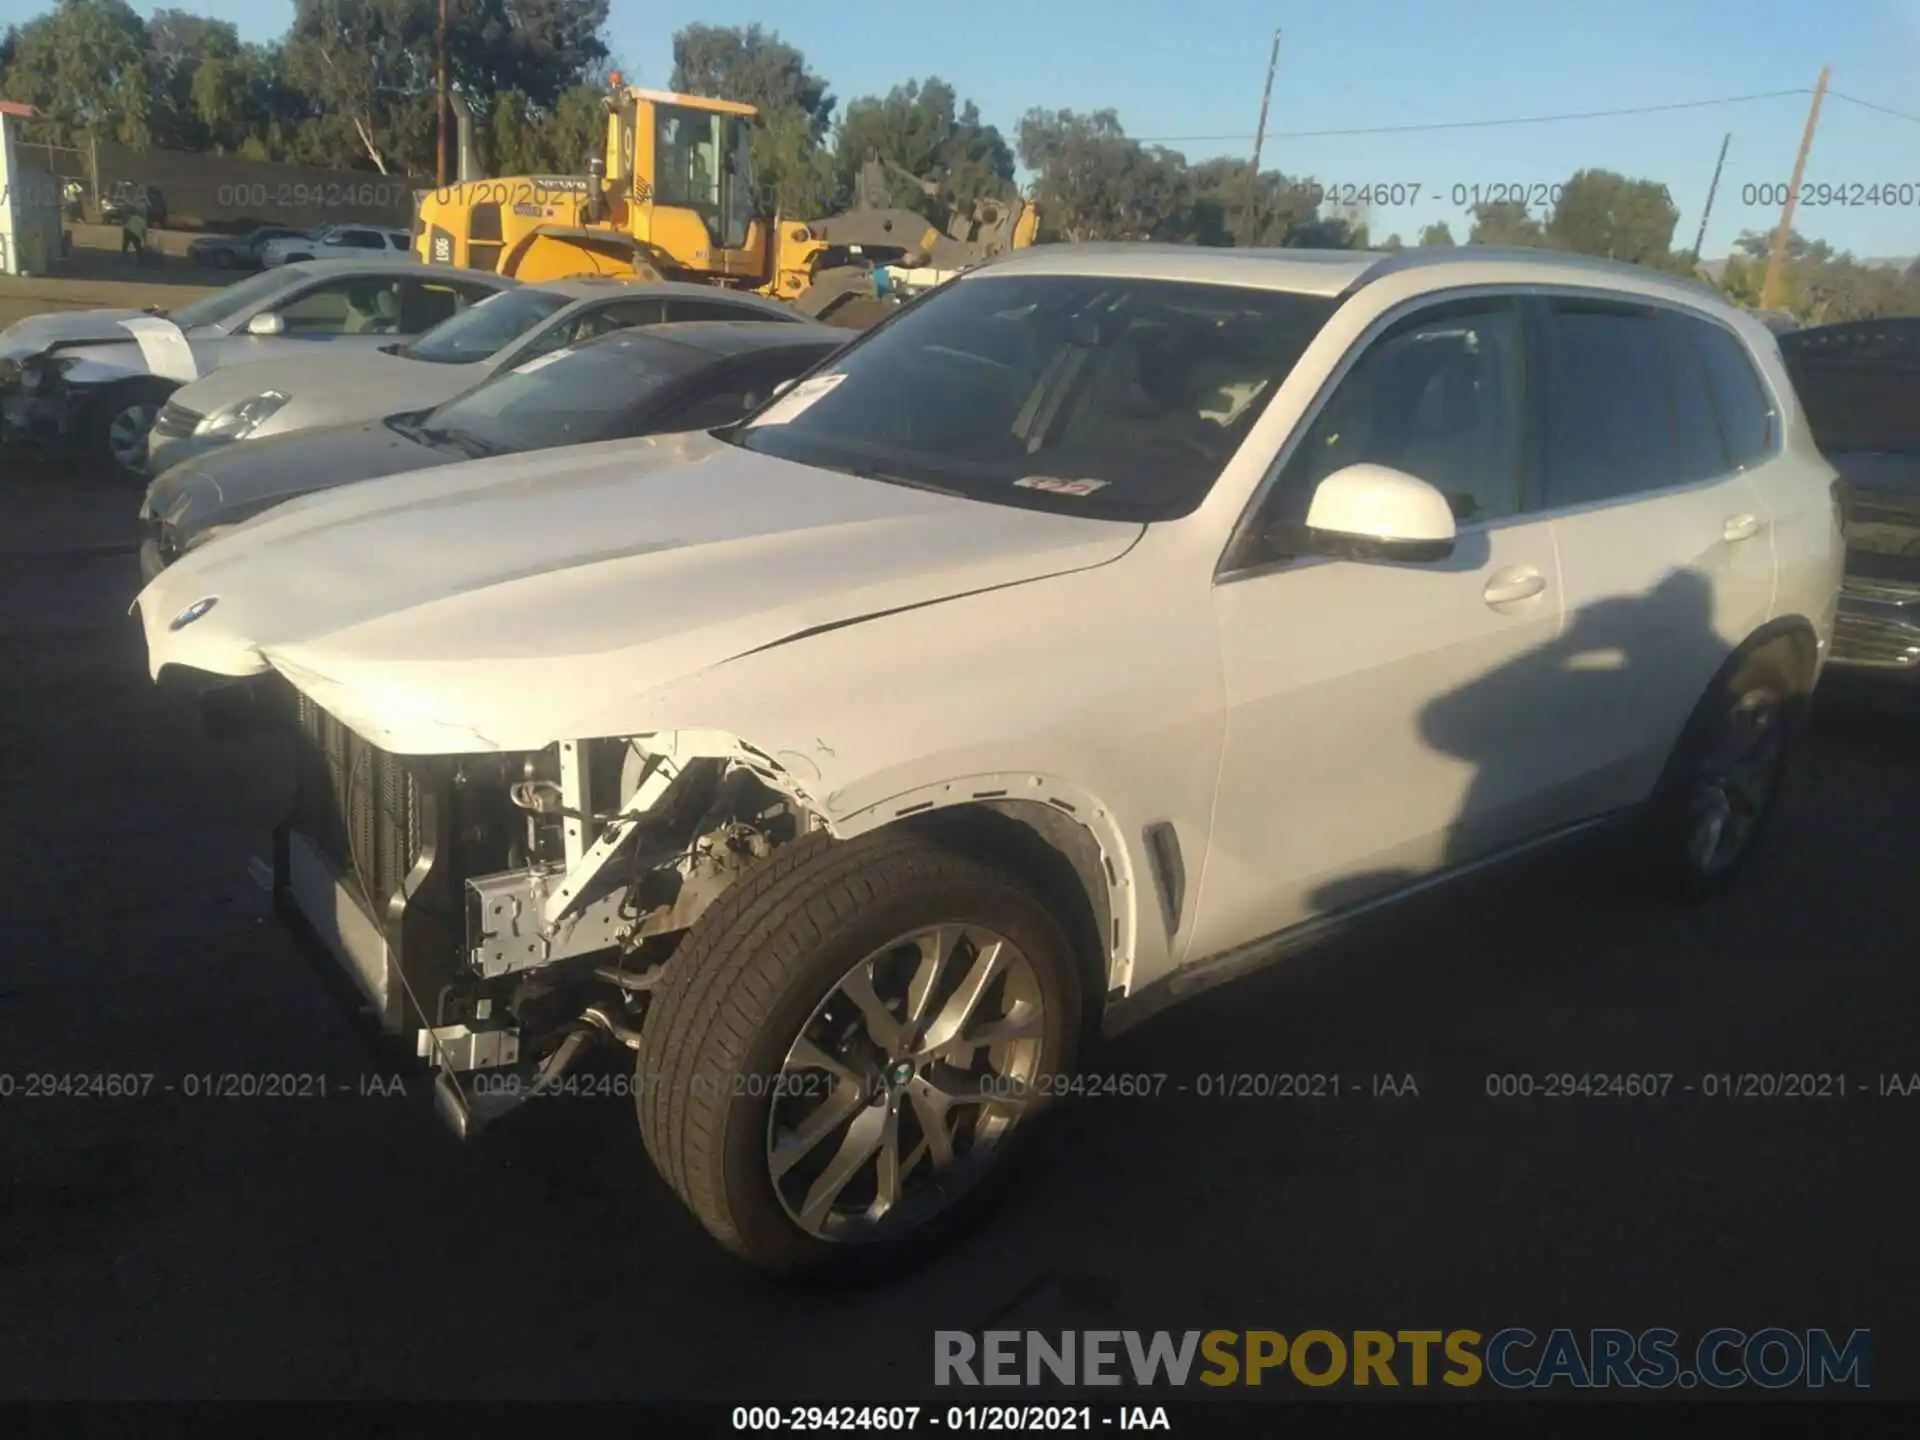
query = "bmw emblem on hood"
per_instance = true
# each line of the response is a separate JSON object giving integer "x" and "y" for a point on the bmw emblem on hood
{"x": 193, "y": 612}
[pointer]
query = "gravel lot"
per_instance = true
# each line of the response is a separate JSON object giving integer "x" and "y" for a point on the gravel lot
{"x": 239, "y": 1248}
{"x": 98, "y": 277}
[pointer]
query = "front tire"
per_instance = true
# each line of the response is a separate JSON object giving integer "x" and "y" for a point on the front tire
{"x": 855, "y": 1046}
{"x": 118, "y": 423}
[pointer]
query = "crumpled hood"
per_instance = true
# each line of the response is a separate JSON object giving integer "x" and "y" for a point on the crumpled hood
{"x": 357, "y": 384}
{"x": 36, "y": 333}
{"x": 226, "y": 486}
{"x": 479, "y": 606}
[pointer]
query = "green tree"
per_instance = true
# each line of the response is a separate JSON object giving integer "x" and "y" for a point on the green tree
{"x": 367, "y": 66}
{"x": 85, "y": 66}
{"x": 539, "y": 48}
{"x": 1505, "y": 222}
{"x": 1094, "y": 183}
{"x": 1285, "y": 211}
{"x": 1438, "y": 233}
{"x": 1601, "y": 212}
{"x": 1393, "y": 244}
{"x": 796, "y": 172}
{"x": 920, "y": 127}
{"x": 756, "y": 66}
{"x": 193, "y": 59}
{"x": 1818, "y": 285}
{"x": 752, "y": 65}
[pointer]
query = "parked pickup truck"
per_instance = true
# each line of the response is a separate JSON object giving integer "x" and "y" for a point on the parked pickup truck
{"x": 1860, "y": 385}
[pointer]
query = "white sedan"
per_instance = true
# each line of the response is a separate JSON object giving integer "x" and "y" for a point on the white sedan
{"x": 1105, "y": 624}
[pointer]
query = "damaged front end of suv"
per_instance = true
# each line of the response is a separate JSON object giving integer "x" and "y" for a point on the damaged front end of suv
{"x": 504, "y": 914}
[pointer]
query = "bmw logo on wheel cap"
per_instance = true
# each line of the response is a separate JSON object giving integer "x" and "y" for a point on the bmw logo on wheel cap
{"x": 193, "y": 612}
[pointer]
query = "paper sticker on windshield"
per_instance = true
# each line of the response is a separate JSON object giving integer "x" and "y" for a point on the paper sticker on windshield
{"x": 164, "y": 348}
{"x": 797, "y": 401}
{"x": 540, "y": 362}
{"x": 1055, "y": 485}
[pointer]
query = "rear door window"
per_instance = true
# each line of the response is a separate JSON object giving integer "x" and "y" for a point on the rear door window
{"x": 424, "y": 304}
{"x": 1609, "y": 403}
{"x": 1701, "y": 445}
{"x": 1746, "y": 412}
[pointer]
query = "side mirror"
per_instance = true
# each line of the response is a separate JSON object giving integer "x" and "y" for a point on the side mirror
{"x": 1374, "y": 512}
{"x": 266, "y": 325}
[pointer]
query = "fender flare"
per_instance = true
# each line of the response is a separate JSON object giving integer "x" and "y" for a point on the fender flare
{"x": 1114, "y": 888}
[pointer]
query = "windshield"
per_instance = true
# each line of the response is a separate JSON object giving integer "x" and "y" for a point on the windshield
{"x": 222, "y": 304}
{"x": 484, "y": 329}
{"x": 566, "y": 398}
{"x": 1109, "y": 398}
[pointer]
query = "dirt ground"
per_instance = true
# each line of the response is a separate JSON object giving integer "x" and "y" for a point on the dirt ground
{"x": 173, "y": 1246}
{"x": 98, "y": 277}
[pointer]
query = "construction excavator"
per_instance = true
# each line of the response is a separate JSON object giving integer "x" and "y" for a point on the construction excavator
{"x": 673, "y": 197}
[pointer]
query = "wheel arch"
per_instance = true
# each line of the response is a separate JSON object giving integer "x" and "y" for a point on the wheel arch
{"x": 1048, "y": 833}
{"x": 1795, "y": 631}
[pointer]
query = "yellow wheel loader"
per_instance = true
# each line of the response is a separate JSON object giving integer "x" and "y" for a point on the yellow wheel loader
{"x": 673, "y": 198}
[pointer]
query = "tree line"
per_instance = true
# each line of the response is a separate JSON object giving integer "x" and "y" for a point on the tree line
{"x": 352, "y": 85}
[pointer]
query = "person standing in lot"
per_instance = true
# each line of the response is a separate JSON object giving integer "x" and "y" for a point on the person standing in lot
{"x": 133, "y": 234}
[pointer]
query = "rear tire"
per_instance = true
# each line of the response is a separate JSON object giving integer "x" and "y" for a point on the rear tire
{"x": 1723, "y": 780}
{"x": 814, "y": 1112}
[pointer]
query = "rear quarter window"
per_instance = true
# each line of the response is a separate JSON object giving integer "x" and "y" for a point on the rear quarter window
{"x": 1745, "y": 409}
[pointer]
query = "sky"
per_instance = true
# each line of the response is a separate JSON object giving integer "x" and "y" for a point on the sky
{"x": 1175, "y": 70}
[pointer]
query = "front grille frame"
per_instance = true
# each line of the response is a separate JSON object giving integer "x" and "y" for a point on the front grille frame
{"x": 379, "y": 822}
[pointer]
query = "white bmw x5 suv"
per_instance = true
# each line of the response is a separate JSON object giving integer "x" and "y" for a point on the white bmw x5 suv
{"x": 1103, "y": 623}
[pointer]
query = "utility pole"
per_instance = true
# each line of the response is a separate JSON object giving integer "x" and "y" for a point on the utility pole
{"x": 1776, "y": 260}
{"x": 1713, "y": 188}
{"x": 1247, "y": 227}
{"x": 440, "y": 91}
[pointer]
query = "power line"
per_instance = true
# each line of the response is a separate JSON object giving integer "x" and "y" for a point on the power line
{"x": 1869, "y": 105}
{"x": 1515, "y": 120}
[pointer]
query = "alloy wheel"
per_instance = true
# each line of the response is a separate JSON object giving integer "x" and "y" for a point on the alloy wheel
{"x": 1735, "y": 780}
{"x": 904, "y": 1082}
{"x": 127, "y": 436}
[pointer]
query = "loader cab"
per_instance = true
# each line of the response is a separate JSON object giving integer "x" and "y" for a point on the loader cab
{"x": 683, "y": 166}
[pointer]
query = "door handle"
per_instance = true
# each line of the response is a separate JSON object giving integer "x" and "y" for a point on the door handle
{"x": 1741, "y": 527}
{"x": 1508, "y": 587}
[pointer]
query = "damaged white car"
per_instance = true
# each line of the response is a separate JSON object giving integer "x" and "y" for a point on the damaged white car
{"x": 1096, "y": 627}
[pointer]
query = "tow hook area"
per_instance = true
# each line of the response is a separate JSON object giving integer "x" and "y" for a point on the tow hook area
{"x": 481, "y": 1078}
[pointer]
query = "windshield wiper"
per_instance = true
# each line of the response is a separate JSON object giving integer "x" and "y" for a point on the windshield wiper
{"x": 463, "y": 440}
{"x": 888, "y": 477}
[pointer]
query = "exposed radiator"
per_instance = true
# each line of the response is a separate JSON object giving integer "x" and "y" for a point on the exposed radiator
{"x": 358, "y": 805}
